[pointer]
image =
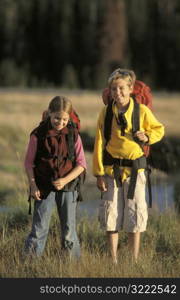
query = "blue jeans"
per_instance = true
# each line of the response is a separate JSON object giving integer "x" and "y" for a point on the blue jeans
{"x": 66, "y": 203}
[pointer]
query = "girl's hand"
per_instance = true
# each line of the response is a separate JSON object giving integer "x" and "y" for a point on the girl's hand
{"x": 35, "y": 193}
{"x": 142, "y": 136}
{"x": 101, "y": 183}
{"x": 59, "y": 183}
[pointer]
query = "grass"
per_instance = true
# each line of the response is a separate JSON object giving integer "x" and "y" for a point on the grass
{"x": 159, "y": 251}
{"x": 20, "y": 112}
{"x": 23, "y": 109}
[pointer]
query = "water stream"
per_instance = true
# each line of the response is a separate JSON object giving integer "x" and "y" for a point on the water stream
{"x": 162, "y": 197}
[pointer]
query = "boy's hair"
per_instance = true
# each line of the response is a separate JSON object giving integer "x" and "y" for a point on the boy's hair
{"x": 128, "y": 75}
{"x": 60, "y": 103}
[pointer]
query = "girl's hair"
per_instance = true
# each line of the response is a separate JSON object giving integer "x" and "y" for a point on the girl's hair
{"x": 60, "y": 103}
{"x": 128, "y": 75}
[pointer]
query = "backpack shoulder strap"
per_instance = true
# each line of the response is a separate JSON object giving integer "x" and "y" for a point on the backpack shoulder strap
{"x": 71, "y": 138}
{"x": 136, "y": 117}
{"x": 109, "y": 117}
{"x": 108, "y": 122}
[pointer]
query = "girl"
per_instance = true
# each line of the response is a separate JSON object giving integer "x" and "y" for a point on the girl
{"x": 54, "y": 162}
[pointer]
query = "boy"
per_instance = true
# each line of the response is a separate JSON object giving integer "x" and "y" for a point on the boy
{"x": 120, "y": 164}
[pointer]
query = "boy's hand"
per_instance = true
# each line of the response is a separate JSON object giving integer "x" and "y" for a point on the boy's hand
{"x": 101, "y": 184}
{"x": 142, "y": 136}
{"x": 59, "y": 183}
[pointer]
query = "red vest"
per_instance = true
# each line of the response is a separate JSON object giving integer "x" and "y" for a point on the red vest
{"x": 52, "y": 158}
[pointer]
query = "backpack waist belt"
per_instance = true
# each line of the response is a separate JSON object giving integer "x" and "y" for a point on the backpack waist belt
{"x": 139, "y": 163}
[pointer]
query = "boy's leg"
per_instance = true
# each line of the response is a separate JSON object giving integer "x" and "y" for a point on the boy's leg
{"x": 134, "y": 243}
{"x": 112, "y": 237}
{"x": 36, "y": 240}
{"x": 135, "y": 213}
{"x": 66, "y": 205}
{"x": 111, "y": 215}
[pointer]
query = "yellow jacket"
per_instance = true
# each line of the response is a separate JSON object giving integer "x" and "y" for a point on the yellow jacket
{"x": 124, "y": 146}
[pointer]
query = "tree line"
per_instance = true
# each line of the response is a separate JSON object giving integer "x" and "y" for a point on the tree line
{"x": 77, "y": 43}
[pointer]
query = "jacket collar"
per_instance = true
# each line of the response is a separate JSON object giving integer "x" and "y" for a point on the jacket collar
{"x": 52, "y": 132}
{"x": 127, "y": 112}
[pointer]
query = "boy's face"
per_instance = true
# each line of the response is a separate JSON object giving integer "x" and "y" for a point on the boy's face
{"x": 59, "y": 120}
{"x": 120, "y": 92}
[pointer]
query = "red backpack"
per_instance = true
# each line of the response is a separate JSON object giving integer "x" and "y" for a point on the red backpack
{"x": 73, "y": 116}
{"x": 141, "y": 94}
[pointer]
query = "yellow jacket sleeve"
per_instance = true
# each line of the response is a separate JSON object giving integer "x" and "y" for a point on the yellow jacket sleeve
{"x": 152, "y": 127}
{"x": 98, "y": 168}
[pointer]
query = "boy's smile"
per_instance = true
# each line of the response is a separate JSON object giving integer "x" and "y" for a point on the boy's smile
{"x": 120, "y": 92}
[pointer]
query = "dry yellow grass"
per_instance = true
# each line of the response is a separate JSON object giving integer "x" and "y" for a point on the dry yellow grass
{"x": 24, "y": 108}
{"x": 159, "y": 252}
{"x": 167, "y": 110}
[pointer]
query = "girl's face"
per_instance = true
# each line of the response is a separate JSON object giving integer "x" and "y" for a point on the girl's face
{"x": 120, "y": 92}
{"x": 59, "y": 120}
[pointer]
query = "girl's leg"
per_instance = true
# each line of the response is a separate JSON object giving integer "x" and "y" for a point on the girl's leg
{"x": 66, "y": 205}
{"x": 112, "y": 237}
{"x": 134, "y": 243}
{"x": 36, "y": 240}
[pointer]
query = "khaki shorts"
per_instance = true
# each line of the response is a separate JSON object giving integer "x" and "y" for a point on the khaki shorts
{"x": 116, "y": 212}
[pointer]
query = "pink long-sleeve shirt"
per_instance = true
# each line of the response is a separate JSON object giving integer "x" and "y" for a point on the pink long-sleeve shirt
{"x": 32, "y": 149}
